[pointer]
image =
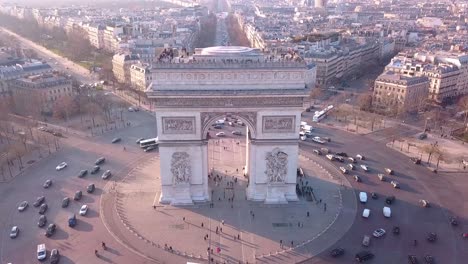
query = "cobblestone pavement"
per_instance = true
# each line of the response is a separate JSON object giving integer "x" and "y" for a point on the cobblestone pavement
{"x": 247, "y": 231}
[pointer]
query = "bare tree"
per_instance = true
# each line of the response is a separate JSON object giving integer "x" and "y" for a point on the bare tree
{"x": 93, "y": 110}
{"x": 365, "y": 101}
{"x": 463, "y": 106}
{"x": 64, "y": 108}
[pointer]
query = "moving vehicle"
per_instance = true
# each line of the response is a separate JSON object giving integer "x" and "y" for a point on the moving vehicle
{"x": 54, "y": 256}
{"x": 41, "y": 252}
{"x": 379, "y": 232}
{"x": 396, "y": 230}
{"x": 363, "y": 197}
{"x": 453, "y": 221}
{"x": 61, "y": 166}
{"x": 339, "y": 158}
{"x": 220, "y": 122}
{"x": 318, "y": 140}
{"x": 150, "y": 148}
{"x": 65, "y": 202}
{"x": 77, "y": 196}
{"x": 429, "y": 259}
{"x": 330, "y": 156}
{"x": 237, "y": 133}
{"x": 90, "y": 188}
{"x": 220, "y": 134}
{"x": 106, "y": 174}
{"x": 395, "y": 184}
{"x": 82, "y": 173}
{"x": 84, "y": 209}
{"x": 416, "y": 160}
{"x": 100, "y": 161}
{"x": 342, "y": 154}
{"x": 366, "y": 240}
{"x": 218, "y": 127}
{"x": 390, "y": 199}
{"x": 431, "y": 237}
{"x": 412, "y": 259}
{"x": 351, "y": 166}
{"x": 337, "y": 252}
{"x": 42, "y": 221}
{"x": 22, "y": 206}
{"x": 318, "y": 152}
{"x": 363, "y": 256}
{"x": 364, "y": 167}
{"x": 14, "y": 232}
{"x": 43, "y": 208}
{"x": 374, "y": 195}
{"x": 50, "y": 230}
{"x": 387, "y": 212}
{"x": 72, "y": 220}
{"x": 424, "y": 203}
{"x": 366, "y": 213}
{"x": 47, "y": 184}
{"x": 360, "y": 157}
{"x": 39, "y": 201}
{"x": 381, "y": 176}
{"x": 116, "y": 140}
{"x": 149, "y": 142}
{"x": 343, "y": 170}
{"x": 353, "y": 160}
{"x": 356, "y": 178}
{"x": 139, "y": 140}
{"x": 389, "y": 171}
{"x": 95, "y": 169}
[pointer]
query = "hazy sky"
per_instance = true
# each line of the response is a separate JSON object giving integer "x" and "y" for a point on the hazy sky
{"x": 50, "y": 3}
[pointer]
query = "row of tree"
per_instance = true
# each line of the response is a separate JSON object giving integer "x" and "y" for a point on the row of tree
{"x": 236, "y": 35}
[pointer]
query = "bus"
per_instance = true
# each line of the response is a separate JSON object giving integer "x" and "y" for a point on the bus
{"x": 149, "y": 142}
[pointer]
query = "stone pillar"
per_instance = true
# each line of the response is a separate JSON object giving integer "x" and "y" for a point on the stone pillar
{"x": 247, "y": 149}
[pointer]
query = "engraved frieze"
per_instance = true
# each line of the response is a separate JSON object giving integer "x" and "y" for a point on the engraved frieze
{"x": 278, "y": 124}
{"x": 178, "y": 125}
{"x": 180, "y": 167}
{"x": 231, "y": 102}
{"x": 276, "y": 166}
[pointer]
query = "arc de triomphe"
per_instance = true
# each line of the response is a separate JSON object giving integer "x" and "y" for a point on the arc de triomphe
{"x": 266, "y": 92}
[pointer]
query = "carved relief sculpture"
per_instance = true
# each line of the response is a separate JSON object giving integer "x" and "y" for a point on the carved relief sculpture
{"x": 178, "y": 125}
{"x": 279, "y": 124}
{"x": 276, "y": 165}
{"x": 180, "y": 167}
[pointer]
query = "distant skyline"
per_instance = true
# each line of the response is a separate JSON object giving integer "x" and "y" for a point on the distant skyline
{"x": 55, "y": 3}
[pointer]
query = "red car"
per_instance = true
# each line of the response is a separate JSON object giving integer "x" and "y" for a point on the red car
{"x": 465, "y": 235}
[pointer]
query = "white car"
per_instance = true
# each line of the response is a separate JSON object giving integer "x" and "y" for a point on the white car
{"x": 343, "y": 170}
{"x": 366, "y": 213}
{"x": 14, "y": 232}
{"x": 363, "y": 197}
{"x": 220, "y": 134}
{"x": 379, "y": 232}
{"x": 61, "y": 166}
{"x": 395, "y": 184}
{"x": 364, "y": 167}
{"x": 22, "y": 206}
{"x": 387, "y": 212}
{"x": 359, "y": 156}
{"x": 84, "y": 209}
{"x": 330, "y": 156}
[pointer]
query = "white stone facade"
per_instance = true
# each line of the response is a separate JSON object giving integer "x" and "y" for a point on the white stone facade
{"x": 271, "y": 109}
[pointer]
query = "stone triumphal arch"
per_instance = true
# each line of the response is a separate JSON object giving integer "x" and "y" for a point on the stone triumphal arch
{"x": 267, "y": 92}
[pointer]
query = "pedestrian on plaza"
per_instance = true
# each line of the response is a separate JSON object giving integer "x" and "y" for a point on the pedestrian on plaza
{"x": 324, "y": 207}
{"x": 292, "y": 243}
{"x": 281, "y": 243}
{"x": 221, "y": 229}
{"x": 298, "y": 224}
{"x": 154, "y": 207}
{"x": 308, "y": 214}
{"x": 320, "y": 201}
{"x": 238, "y": 236}
{"x": 237, "y": 170}
{"x": 202, "y": 224}
{"x": 253, "y": 216}
{"x": 216, "y": 229}
{"x": 222, "y": 222}
{"x": 183, "y": 218}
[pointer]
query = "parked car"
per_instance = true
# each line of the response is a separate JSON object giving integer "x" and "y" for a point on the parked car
{"x": 39, "y": 201}
{"x": 43, "y": 208}
{"x": 218, "y": 126}
{"x": 342, "y": 154}
{"x": 343, "y": 170}
{"x": 351, "y": 166}
{"x": 381, "y": 177}
{"x": 220, "y": 134}
{"x": 42, "y": 221}
{"x": 387, "y": 212}
{"x": 82, "y": 173}
{"x": 363, "y": 197}
{"x": 366, "y": 241}
{"x": 61, "y": 166}
{"x": 363, "y": 256}
{"x": 90, "y": 188}
{"x": 237, "y": 133}
{"x": 47, "y": 184}
{"x": 412, "y": 259}
{"x": 364, "y": 167}
{"x": 379, "y": 232}
{"x": 396, "y": 230}
{"x": 72, "y": 220}
{"x": 14, "y": 232}
{"x": 54, "y": 256}
{"x": 116, "y": 140}
{"x": 374, "y": 196}
{"x": 360, "y": 157}
{"x": 100, "y": 161}
{"x": 339, "y": 158}
{"x": 41, "y": 252}
{"x": 95, "y": 169}
{"x": 318, "y": 152}
{"x": 337, "y": 252}
{"x": 356, "y": 178}
{"x": 431, "y": 237}
{"x": 429, "y": 259}
{"x": 83, "y": 209}
{"x": 366, "y": 213}
{"x": 390, "y": 199}
{"x": 65, "y": 202}
{"x": 395, "y": 184}
{"x": 465, "y": 235}
{"x": 50, "y": 230}
{"x": 453, "y": 221}
{"x": 389, "y": 171}
{"x": 77, "y": 196}
{"x": 330, "y": 156}
{"x": 424, "y": 203}
{"x": 149, "y": 148}
{"x": 22, "y": 206}
{"x": 422, "y": 136}
{"x": 353, "y": 160}
{"x": 106, "y": 174}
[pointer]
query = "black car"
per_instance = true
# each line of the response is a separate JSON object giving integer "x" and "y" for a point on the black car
{"x": 42, "y": 221}
{"x": 95, "y": 169}
{"x": 54, "y": 256}
{"x": 390, "y": 199}
{"x": 77, "y": 196}
{"x": 429, "y": 259}
{"x": 412, "y": 259}
{"x": 396, "y": 230}
{"x": 218, "y": 126}
{"x": 150, "y": 148}
{"x": 47, "y": 184}
{"x": 431, "y": 237}
{"x": 90, "y": 188}
{"x": 416, "y": 160}
{"x": 82, "y": 173}
{"x": 337, "y": 252}
{"x": 72, "y": 220}
{"x": 363, "y": 256}
{"x": 374, "y": 195}
{"x": 50, "y": 230}
{"x": 342, "y": 154}
{"x": 43, "y": 209}
{"x": 39, "y": 201}
{"x": 100, "y": 161}
{"x": 453, "y": 221}
{"x": 65, "y": 202}
{"x": 115, "y": 140}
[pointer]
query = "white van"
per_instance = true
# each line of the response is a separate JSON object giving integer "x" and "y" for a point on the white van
{"x": 41, "y": 252}
{"x": 366, "y": 213}
{"x": 219, "y": 122}
{"x": 387, "y": 212}
{"x": 363, "y": 197}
